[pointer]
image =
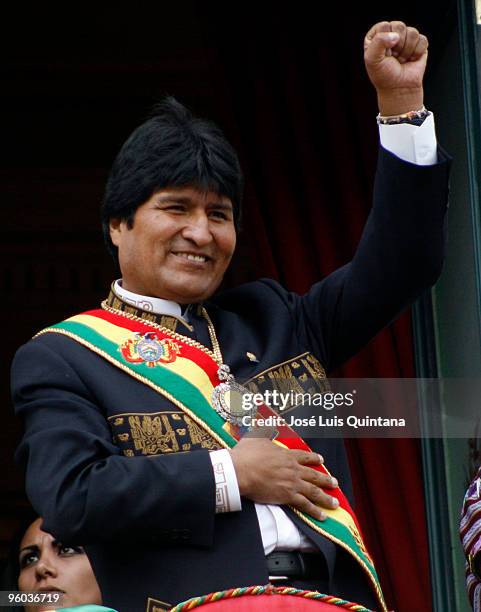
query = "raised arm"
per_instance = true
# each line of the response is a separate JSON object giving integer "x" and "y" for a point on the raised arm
{"x": 402, "y": 246}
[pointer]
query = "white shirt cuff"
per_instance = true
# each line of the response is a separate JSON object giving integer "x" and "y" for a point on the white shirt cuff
{"x": 227, "y": 496}
{"x": 412, "y": 143}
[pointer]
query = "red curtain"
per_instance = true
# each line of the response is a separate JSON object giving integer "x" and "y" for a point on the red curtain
{"x": 302, "y": 114}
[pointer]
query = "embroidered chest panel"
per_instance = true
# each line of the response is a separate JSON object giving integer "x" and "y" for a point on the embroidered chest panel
{"x": 139, "y": 434}
{"x": 301, "y": 374}
{"x": 171, "y": 431}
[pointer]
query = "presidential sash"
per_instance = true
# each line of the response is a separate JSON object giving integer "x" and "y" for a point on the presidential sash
{"x": 185, "y": 372}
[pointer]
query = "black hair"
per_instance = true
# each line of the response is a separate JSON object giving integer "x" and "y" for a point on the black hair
{"x": 171, "y": 149}
{"x": 10, "y": 570}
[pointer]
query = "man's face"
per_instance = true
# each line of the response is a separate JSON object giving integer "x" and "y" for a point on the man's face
{"x": 179, "y": 247}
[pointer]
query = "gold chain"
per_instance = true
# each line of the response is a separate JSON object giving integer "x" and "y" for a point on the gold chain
{"x": 215, "y": 354}
{"x": 213, "y": 337}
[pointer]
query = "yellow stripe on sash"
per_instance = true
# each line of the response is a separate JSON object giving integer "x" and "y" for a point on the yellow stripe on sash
{"x": 184, "y": 367}
{"x": 342, "y": 516}
{"x": 114, "y": 333}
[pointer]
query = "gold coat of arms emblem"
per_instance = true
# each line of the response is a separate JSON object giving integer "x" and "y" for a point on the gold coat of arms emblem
{"x": 147, "y": 348}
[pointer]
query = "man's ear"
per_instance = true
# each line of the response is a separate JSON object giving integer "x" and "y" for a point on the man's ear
{"x": 116, "y": 227}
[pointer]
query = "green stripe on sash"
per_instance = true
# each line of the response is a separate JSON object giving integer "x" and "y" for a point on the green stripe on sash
{"x": 163, "y": 378}
{"x": 189, "y": 398}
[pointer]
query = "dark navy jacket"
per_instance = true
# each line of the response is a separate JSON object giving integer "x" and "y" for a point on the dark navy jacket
{"x": 113, "y": 465}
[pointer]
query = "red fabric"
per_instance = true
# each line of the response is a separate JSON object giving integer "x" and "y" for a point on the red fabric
{"x": 309, "y": 165}
{"x": 277, "y": 603}
{"x": 190, "y": 352}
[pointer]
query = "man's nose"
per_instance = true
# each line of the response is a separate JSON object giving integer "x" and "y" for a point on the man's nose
{"x": 45, "y": 568}
{"x": 197, "y": 230}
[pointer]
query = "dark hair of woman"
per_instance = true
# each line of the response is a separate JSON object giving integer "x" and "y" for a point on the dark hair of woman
{"x": 10, "y": 569}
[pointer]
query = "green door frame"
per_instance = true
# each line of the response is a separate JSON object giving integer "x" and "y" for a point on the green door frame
{"x": 441, "y": 323}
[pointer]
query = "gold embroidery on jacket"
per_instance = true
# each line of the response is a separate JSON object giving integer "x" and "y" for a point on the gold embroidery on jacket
{"x": 155, "y": 605}
{"x": 315, "y": 368}
{"x": 153, "y": 434}
{"x": 169, "y": 322}
{"x": 301, "y": 374}
{"x": 284, "y": 381}
{"x": 150, "y": 434}
{"x": 198, "y": 435}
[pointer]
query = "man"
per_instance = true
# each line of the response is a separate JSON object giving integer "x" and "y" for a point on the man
{"x": 119, "y": 454}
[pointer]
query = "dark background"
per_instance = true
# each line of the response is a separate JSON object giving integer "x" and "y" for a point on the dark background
{"x": 287, "y": 85}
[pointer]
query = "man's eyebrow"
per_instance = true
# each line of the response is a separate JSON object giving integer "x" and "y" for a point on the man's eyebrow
{"x": 220, "y": 204}
{"x": 187, "y": 200}
{"x": 175, "y": 198}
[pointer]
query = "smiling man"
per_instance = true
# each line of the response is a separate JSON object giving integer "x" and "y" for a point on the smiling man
{"x": 130, "y": 447}
{"x": 179, "y": 246}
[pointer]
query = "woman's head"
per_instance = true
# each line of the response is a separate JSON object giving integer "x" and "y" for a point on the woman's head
{"x": 45, "y": 564}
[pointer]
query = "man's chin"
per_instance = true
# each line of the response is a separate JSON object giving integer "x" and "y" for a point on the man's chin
{"x": 189, "y": 293}
{"x": 195, "y": 298}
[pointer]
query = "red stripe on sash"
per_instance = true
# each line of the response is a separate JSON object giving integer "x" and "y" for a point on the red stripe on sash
{"x": 287, "y": 436}
{"x": 200, "y": 357}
